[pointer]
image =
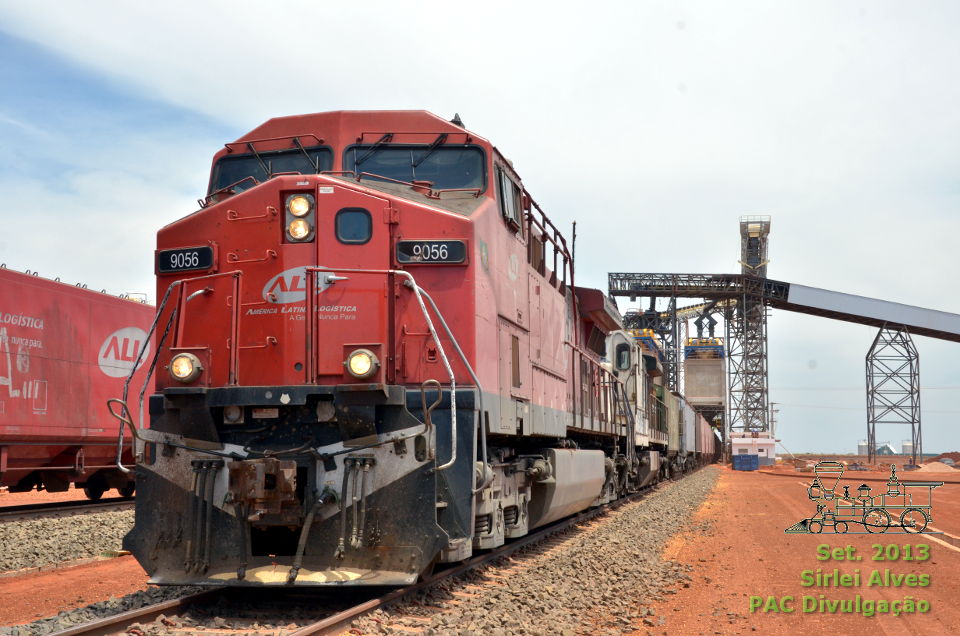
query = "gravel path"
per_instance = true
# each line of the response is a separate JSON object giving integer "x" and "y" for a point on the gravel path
{"x": 37, "y": 542}
{"x": 595, "y": 581}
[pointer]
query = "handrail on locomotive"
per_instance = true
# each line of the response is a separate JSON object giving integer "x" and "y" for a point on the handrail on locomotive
{"x": 177, "y": 317}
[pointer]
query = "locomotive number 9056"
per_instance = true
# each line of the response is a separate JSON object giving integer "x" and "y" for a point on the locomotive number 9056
{"x": 431, "y": 252}
{"x": 185, "y": 259}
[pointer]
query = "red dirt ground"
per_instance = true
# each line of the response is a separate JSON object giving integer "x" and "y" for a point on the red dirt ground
{"x": 34, "y": 497}
{"x": 747, "y": 553}
{"x": 28, "y": 597}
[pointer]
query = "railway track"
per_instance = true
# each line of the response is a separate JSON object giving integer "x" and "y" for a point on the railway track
{"x": 34, "y": 511}
{"x": 336, "y": 609}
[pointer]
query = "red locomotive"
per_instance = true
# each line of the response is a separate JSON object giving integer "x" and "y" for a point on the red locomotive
{"x": 372, "y": 358}
{"x": 64, "y": 350}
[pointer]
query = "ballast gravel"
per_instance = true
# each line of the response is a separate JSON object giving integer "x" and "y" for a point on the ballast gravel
{"x": 597, "y": 581}
{"x": 38, "y": 542}
{"x": 97, "y": 611}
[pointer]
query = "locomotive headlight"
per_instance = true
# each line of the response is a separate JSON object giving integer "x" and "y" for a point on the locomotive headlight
{"x": 362, "y": 364}
{"x": 299, "y": 205}
{"x": 300, "y": 217}
{"x": 185, "y": 367}
{"x": 299, "y": 229}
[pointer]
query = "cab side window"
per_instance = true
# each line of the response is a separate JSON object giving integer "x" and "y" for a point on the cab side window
{"x": 510, "y": 202}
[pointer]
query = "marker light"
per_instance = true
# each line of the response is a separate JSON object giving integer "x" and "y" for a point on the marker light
{"x": 185, "y": 367}
{"x": 299, "y": 229}
{"x": 299, "y": 204}
{"x": 362, "y": 364}
{"x": 232, "y": 414}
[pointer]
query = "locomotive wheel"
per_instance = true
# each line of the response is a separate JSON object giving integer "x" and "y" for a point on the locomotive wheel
{"x": 815, "y": 527}
{"x": 127, "y": 490}
{"x": 94, "y": 490}
{"x": 841, "y": 527}
{"x": 876, "y": 520}
{"x": 913, "y": 520}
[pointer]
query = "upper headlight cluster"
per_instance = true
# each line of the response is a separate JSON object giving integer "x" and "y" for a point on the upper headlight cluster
{"x": 299, "y": 217}
{"x": 300, "y": 204}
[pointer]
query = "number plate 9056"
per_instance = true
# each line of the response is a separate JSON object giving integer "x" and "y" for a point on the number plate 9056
{"x": 429, "y": 252}
{"x": 185, "y": 259}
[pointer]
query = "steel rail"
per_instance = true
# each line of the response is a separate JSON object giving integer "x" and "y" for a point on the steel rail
{"x": 119, "y": 622}
{"x": 28, "y": 511}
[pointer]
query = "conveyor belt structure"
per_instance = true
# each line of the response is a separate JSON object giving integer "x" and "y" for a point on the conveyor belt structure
{"x": 791, "y": 297}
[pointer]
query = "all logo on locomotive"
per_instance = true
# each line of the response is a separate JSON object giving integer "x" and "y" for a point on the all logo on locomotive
{"x": 371, "y": 357}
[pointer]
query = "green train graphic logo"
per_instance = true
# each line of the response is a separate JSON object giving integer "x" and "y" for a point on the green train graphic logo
{"x": 904, "y": 507}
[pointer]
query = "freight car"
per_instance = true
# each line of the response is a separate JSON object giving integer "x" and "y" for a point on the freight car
{"x": 371, "y": 357}
{"x": 64, "y": 350}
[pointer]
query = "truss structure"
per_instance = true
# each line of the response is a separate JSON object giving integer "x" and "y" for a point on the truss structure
{"x": 748, "y": 386}
{"x": 743, "y": 300}
{"x": 670, "y": 332}
{"x": 746, "y": 299}
{"x": 893, "y": 387}
{"x": 747, "y": 379}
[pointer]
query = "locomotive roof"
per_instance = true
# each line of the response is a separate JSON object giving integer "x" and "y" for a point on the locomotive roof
{"x": 352, "y": 126}
{"x": 343, "y": 128}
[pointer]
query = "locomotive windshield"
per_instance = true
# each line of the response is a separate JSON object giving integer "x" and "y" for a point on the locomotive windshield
{"x": 263, "y": 165}
{"x": 445, "y": 167}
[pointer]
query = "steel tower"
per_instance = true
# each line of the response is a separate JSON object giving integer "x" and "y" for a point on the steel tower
{"x": 893, "y": 387}
{"x": 746, "y": 331}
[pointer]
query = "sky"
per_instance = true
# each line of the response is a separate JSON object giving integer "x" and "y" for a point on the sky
{"x": 654, "y": 125}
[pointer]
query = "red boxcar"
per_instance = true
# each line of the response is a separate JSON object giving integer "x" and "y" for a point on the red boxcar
{"x": 64, "y": 351}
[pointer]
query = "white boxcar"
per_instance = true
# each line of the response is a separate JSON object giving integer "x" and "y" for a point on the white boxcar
{"x": 689, "y": 427}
